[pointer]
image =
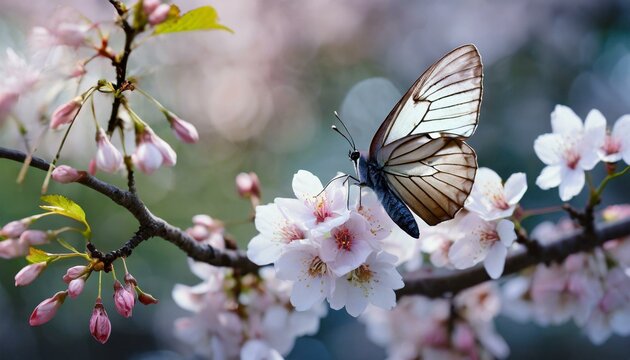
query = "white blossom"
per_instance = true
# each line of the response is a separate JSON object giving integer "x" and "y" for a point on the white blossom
{"x": 492, "y": 199}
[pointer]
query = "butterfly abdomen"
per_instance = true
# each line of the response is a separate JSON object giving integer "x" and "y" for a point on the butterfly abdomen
{"x": 371, "y": 175}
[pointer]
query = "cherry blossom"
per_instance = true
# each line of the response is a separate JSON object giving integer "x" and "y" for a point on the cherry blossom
{"x": 29, "y": 273}
{"x": 108, "y": 158}
{"x": 437, "y": 240}
{"x": 313, "y": 278}
{"x": 570, "y": 150}
{"x": 486, "y": 241}
{"x": 316, "y": 207}
{"x": 493, "y": 200}
{"x": 616, "y": 144}
{"x": 46, "y": 310}
{"x": 346, "y": 246}
{"x": 372, "y": 282}
{"x": 277, "y": 230}
{"x": 100, "y": 326}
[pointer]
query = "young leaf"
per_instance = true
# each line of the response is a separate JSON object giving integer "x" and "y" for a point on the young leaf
{"x": 202, "y": 18}
{"x": 63, "y": 206}
{"x": 37, "y": 256}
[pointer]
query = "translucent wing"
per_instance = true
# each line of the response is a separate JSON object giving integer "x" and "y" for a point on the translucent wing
{"x": 444, "y": 101}
{"x": 432, "y": 176}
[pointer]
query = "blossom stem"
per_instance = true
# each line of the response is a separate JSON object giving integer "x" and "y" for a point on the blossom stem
{"x": 100, "y": 283}
{"x": 602, "y": 186}
{"x": 540, "y": 211}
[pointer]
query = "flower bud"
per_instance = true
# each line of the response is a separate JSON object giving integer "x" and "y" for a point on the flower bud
{"x": 65, "y": 113}
{"x": 130, "y": 281}
{"x": 248, "y": 185}
{"x": 108, "y": 158}
{"x": 76, "y": 286}
{"x": 15, "y": 228}
{"x": 34, "y": 237}
{"x": 13, "y": 248}
{"x": 146, "y": 298}
{"x": 47, "y": 309}
{"x": 123, "y": 299}
{"x": 169, "y": 156}
{"x": 149, "y": 6}
{"x": 29, "y": 273}
{"x": 183, "y": 130}
{"x": 100, "y": 326}
{"x": 74, "y": 272}
{"x": 65, "y": 174}
{"x": 92, "y": 167}
{"x": 160, "y": 14}
{"x": 147, "y": 157}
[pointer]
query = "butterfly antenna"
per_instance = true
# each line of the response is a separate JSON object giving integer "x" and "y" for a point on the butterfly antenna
{"x": 336, "y": 129}
{"x": 350, "y": 140}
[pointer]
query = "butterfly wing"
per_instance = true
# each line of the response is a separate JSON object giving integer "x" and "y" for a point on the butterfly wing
{"x": 444, "y": 101}
{"x": 432, "y": 176}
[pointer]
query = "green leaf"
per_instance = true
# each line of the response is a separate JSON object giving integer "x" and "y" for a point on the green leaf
{"x": 61, "y": 205}
{"x": 65, "y": 244}
{"x": 37, "y": 256}
{"x": 202, "y": 18}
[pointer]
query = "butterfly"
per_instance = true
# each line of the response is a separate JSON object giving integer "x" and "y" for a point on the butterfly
{"x": 418, "y": 159}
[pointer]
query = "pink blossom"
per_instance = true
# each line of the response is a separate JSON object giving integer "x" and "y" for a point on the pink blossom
{"x": 492, "y": 199}
{"x": 14, "y": 229}
{"x": 46, "y": 310}
{"x": 108, "y": 158}
{"x": 66, "y": 113}
{"x": 29, "y": 273}
{"x": 346, "y": 246}
{"x": 65, "y": 174}
{"x": 100, "y": 326}
{"x": 183, "y": 130}
{"x": 160, "y": 14}
{"x": 153, "y": 152}
{"x": 13, "y": 248}
{"x": 74, "y": 273}
{"x": 35, "y": 237}
{"x": 75, "y": 287}
{"x": 248, "y": 185}
{"x": 150, "y": 5}
{"x": 123, "y": 299}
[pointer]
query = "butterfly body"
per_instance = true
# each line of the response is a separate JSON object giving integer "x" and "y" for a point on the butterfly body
{"x": 418, "y": 160}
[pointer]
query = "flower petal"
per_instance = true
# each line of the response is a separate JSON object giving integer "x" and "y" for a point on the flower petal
{"x": 549, "y": 177}
{"x": 495, "y": 260}
{"x": 548, "y": 148}
{"x": 572, "y": 183}
{"x": 515, "y": 188}
{"x": 505, "y": 230}
{"x": 565, "y": 121}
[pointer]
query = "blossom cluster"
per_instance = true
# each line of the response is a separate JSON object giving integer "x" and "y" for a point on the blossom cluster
{"x": 575, "y": 147}
{"x": 483, "y": 232}
{"x": 247, "y": 317}
{"x": 328, "y": 245}
{"x": 592, "y": 289}
{"x": 423, "y": 328}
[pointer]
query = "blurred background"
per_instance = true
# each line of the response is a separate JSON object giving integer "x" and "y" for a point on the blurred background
{"x": 263, "y": 100}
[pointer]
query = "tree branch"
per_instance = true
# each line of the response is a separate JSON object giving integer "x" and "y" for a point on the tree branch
{"x": 438, "y": 285}
{"x": 150, "y": 225}
{"x": 431, "y": 285}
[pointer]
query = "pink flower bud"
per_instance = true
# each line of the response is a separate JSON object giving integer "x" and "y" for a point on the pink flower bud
{"x": 149, "y": 6}
{"x": 100, "y": 326}
{"x": 123, "y": 299}
{"x": 183, "y": 130}
{"x": 65, "y": 174}
{"x": 47, "y": 309}
{"x": 130, "y": 281}
{"x": 108, "y": 158}
{"x": 145, "y": 298}
{"x": 15, "y": 228}
{"x": 92, "y": 167}
{"x": 29, "y": 273}
{"x": 34, "y": 237}
{"x": 75, "y": 287}
{"x": 160, "y": 14}
{"x": 147, "y": 157}
{"x": 248, "y": 185}
{"x": 74, "y": 272}
{"x": 65, "y": 113}
{"x": 13, "y": 248}
{"x": 169, "y": 156}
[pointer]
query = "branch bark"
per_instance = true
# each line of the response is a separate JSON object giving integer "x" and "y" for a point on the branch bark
{"x": 430, "y": 285}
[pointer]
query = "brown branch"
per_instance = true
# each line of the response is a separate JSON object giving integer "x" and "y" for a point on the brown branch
{"x": 431, "y": 285}
{"x": 437, "y": 285}
{"x": 150, "y": 225}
